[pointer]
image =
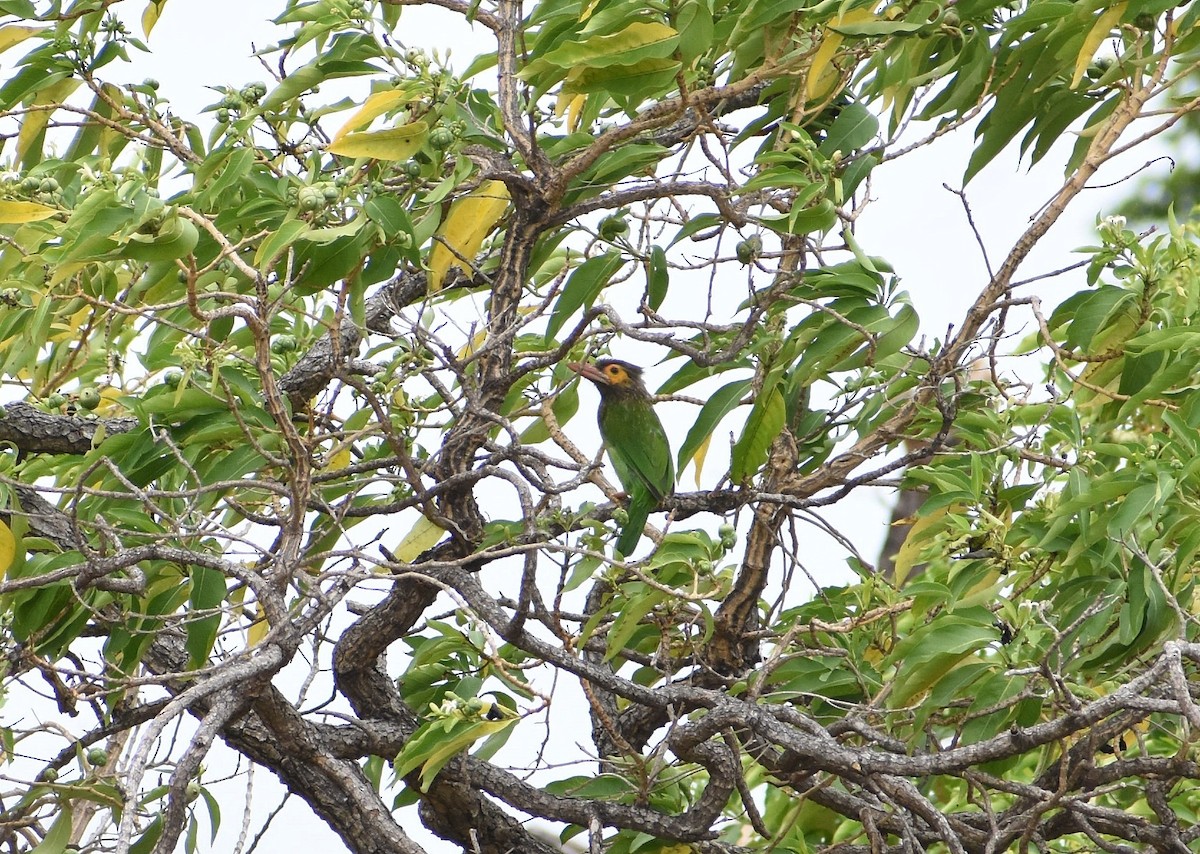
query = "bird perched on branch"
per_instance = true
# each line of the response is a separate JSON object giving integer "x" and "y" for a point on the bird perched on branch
{"x": 635, "y": 439}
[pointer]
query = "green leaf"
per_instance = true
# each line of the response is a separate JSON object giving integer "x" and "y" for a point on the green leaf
{"x": 207, "y": 593}
{"x": 764, "y": 424}
{"x": 630, "y": 619}
{"x": 719, "y": 404}
{"x": 56, "y": 838}
{"x": 283, "y": 237}
{"x": 854, "y": 127}
{"x": 582, "y": 288}
{"x": 657, "y": 278}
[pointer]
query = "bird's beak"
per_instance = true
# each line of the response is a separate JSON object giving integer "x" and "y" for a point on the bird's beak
{"x": 588, "y": 372}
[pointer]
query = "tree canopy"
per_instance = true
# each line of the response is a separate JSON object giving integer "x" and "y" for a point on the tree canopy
{"x": 292, "y": 460}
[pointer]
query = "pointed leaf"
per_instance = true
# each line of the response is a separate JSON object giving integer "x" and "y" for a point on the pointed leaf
{"x": 8, "y": 549}
{"x": 469, "y": 221}
{"x": 393, "y": 144}
{"x": 764, "y": 424}
{"x": 423, "y": 536}
{"x": 17, "y": 212}
{"x": 375, "y": 106}
{"x": 14, "y": 34}
{"x": 582, "y": 288}
{"x": 151, "y": 15}
{"x": 718, "y": 405}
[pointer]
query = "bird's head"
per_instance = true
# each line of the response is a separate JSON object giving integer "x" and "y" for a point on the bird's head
{"x": 612, "y": 376}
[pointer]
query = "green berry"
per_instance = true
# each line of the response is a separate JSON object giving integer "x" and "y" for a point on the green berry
{"x": 89, "y": 399}
{"x": 283, "y": 344}
{"x": 97, "y": 756}
{"x": 441, "y": 137}
{"x": 310, "y": 199}
{"x": 172, "y": 379}
{"x": 613, "y": 227}
{"x": 749, "y": 249}
{"x": 56, "y": 401}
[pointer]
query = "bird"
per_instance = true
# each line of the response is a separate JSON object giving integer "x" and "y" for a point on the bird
{"x": 635, "y": 440}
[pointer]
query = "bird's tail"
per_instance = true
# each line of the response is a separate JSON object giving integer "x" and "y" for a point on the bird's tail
{"x": 639, "y": 512}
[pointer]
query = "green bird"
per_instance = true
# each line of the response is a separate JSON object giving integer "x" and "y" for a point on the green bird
{"x": 635, "y": 439}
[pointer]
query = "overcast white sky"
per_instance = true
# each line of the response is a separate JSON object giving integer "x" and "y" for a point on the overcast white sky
{"x": 913, "y": 222}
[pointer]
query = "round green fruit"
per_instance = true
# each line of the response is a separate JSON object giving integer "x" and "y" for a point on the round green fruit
{"x": 441, "y": 137}
{"x": 89, "y": 399}
{"x": 614, "y": 227}
{"x": 310, "y": 199}
{"x": 172, "y": 379}
{"x": 56, "y": 401}
{"x": 283, "y": 344}
{"x": 97, "y": 756}
{"x": 749, "y": 249}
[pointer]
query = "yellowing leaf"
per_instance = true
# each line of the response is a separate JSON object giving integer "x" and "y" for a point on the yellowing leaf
{"x": 12, "y": 212}
{"x": 822, "y": 76}
{"x": 13, "y": 34}
{"x": 8, "y": 548}
{"x": 638, "y": 41}
{"x": 469, "y": 221}
{"x": 700, "y": 455}
{"x": 373, "y": 107}
{"x": 1098, "y": 33}
{"x": 35, "y": 121}
{"x": 572, "y": 105}
{"x": 393, "y": 144}
{"x": 259, "y": 628}
{"x": 339, "y": 460}
{"x": 423, "y": 536}
{"x": 918, "y": 537}
{"x": 151, "y": 15}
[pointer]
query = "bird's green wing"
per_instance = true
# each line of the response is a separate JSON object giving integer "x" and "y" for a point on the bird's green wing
{"x": 638, "y": 447}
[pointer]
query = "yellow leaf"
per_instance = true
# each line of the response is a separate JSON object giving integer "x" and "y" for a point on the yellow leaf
{"x": 1098, "y": 33}
{"x": 423, "y": 536}
{"x": 151, "y": 15}
{"x": 822, "y": 75}
{"x": 8, "y": 548}
{"x": 339, "y": 460}
{"x": 469, "y": 221}
{"x": 13, "y": 35}
{"x": 700, "y": 455}
{"x": 35, "y": 122}
{"x": 11, "y": 212}
{"x": 259, "y": 628}
{"x": 373, "y": 107}
{"x": 393, "y": 144}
